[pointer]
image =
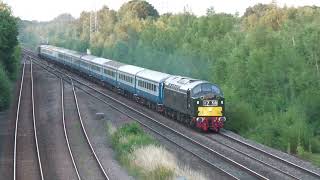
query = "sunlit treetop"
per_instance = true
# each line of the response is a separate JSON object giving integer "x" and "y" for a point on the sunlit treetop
{"x": 138, "y": 8}
{"x": 4, "y": 7}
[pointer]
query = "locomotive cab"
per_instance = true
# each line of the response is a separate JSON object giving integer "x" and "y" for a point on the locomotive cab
{"x": 200, "y": 102}
{"x": 208, "y": 103}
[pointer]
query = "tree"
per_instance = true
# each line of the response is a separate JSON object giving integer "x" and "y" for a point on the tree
{"x": 267, "y": 62}
{"x": 138, "y": 8}
{"x": 8, "y": 39}
{"x": 8, "y": 53}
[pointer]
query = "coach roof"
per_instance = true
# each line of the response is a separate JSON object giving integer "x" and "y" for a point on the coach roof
{"x": 153, "y": 75}
{"x": 130, "y": 69}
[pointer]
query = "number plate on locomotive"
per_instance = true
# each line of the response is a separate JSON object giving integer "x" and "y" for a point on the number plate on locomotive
{"x": 210, "y": 102}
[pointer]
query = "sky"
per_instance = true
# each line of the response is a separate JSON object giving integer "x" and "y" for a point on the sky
{"x": 45, "y": 10}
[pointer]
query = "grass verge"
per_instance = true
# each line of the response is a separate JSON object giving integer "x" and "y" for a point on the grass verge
{"x": 144, "y": 158}
{"x": 312, "y": 157}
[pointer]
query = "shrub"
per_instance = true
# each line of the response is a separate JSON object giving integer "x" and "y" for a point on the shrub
{"x": 240, "y": 117}
{"x": 129, "y": 136}
{"x": 4, "y": 89}
{"x": 143, "y": 158}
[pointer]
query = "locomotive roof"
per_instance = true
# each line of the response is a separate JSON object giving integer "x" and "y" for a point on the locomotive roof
{"x": 130, "y": 69}
{"x": 196, "y": 86}
{"x": 182, "y": 83}
{"x": 153, "y": 75}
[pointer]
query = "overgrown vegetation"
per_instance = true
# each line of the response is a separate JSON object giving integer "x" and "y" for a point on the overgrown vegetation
{"x": 143, "y": 158}
{"x": 266, "y": 61}
{"x": 9, "y": 54}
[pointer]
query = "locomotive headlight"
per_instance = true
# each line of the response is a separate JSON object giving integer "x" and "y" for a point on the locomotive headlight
{"x": 198, "y": 102}
{"x": 221, "y": 102}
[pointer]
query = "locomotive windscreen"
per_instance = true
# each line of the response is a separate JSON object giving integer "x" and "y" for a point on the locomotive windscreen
{"x": 205, "y": 89}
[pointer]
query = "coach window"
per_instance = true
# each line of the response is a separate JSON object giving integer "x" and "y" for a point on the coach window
{"x": 95, "y": 68}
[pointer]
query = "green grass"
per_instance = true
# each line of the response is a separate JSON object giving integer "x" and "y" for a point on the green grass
{"x": 312, "y": 157}
{"x": 129, "y": 137}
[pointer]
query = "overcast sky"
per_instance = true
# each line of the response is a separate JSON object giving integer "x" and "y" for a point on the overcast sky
{"x": 44, "y": 10}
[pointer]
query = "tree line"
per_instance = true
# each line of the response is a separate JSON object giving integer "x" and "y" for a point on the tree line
{"x": 9, "y": 54}
{"x": 266, "y": 61}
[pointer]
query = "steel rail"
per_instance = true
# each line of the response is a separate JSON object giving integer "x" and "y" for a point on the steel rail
{"x": 80, "y": 119}
{"x": 34, "y": 124}
{"x": 150, "y": 128}
{"x": 271, "y": 155}
{"x": 16, "y": 126}
{"x": 251, "y": 157}
{"x": 65, "y": 130}
{"x": 85, "y": 132}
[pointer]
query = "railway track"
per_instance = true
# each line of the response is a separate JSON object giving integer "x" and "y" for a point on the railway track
{"x": 233, "y": 169}
{"x": 278, "y": 163}
{"x": 274, "y": 162}
{"x": 26, "y": 156}
{"x": 74, "y": 147}
{"x": 65, "y": 131}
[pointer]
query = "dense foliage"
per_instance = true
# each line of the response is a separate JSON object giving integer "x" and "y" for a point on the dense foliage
{"x": 9, "y": 53}
{"x": 266, "y": 61}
